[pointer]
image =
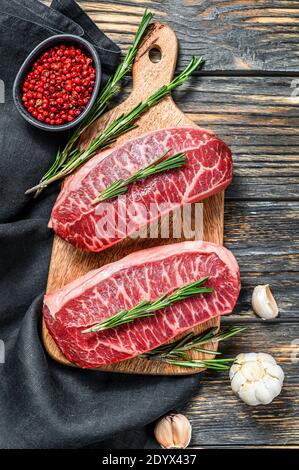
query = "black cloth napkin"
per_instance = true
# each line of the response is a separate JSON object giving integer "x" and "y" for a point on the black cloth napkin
{"x": 43, "y": 404}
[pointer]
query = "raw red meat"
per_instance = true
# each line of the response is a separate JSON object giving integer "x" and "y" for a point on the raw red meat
{"x": 95, "y": 228}
{"x": 143, "y": 275}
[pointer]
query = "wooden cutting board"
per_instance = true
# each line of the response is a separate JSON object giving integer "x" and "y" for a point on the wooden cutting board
{"x": 69, "y": 263}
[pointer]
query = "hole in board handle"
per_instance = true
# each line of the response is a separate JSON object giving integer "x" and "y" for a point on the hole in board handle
{"x": 155, "y": 54}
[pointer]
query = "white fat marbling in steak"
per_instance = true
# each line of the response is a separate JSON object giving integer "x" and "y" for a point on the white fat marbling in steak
{"x": 94, "y": 228}
{"x": 143, "y": 275}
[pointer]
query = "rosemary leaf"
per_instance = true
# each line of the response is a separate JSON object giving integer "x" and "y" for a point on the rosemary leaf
{"x": 190, "y": 343}
{"x": 207, "y": 351}
{"x": 160, "y": 165}
{"x": 223, "y": 335}
{"x": 148, "y": 308}
{"x": 121, "y": 125}
{"x": 215, "y": 364}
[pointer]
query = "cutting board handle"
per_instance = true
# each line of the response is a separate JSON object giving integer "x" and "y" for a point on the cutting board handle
{"x": 149, "y": 75}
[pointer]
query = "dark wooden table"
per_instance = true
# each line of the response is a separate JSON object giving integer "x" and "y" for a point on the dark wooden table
{"x": 248, "y": 93}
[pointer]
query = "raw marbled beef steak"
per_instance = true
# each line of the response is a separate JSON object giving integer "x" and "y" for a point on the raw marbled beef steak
{"x": 94, "y": 228}
{"x": 144, "y": 275}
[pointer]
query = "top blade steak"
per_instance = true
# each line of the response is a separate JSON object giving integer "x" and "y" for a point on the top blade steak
{"x": 144, "y": 275}
{"x": 94, "y": 228}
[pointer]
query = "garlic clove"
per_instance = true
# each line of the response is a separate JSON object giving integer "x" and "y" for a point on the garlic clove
{"x": 163, "y": 433}
{"x": 266, "y": 358}
{"x": 250, "y": 357}
{"x": 173, "y": 432}
{"x": 247, "y": 394}
{"x": 252, "y": 371}
{"x": 263, "y": 302}
{"x": 240, "y": 359}
{"x": 237, "y": 381}
{"x": 181, "y": 432}
{"x": 273, "y": 385}
{"x": 276, "y": 372}
{"x": 233, "y": 370}
{"x": 262, "y": 393}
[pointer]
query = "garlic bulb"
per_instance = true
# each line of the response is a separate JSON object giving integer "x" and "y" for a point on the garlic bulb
{"x": 256, "y": 378}
{"x": 263, "y": 302}
{"x": 173, "y": 432}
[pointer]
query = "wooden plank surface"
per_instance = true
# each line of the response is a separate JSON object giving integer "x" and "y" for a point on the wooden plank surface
{"x": 245, "y": 35}
{"x": 251, "y": 51}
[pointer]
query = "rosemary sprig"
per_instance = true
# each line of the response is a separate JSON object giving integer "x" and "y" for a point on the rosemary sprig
{"x": 159, "y": 165}
{"x": 147, "y": 308}
{"x": 176, "y": 353}
{"x": 122, "y": 124}
{"x": 215, "y": 364}
{"x": 191, "y": 342}
{"x": 111, "y": 89}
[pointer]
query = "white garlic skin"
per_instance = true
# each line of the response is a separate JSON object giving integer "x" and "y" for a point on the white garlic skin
{"x": 173, "y": 432}
{"x": 256, "y": 378}
{"x": 263, "y": 302}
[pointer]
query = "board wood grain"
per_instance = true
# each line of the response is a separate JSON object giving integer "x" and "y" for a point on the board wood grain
{"x": 68, "y": 263}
